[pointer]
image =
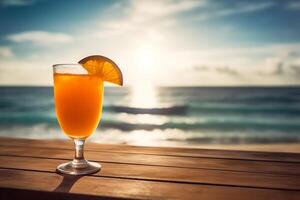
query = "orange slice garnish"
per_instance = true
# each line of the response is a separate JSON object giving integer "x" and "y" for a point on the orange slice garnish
{"x": 104, "y": 67}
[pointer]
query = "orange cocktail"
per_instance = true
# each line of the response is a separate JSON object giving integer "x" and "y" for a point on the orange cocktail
{"x": 78, "y": 101}
{"x": 78, "y": 93}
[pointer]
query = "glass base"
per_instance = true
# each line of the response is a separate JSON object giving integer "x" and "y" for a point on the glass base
{"x": 78, "y": 167}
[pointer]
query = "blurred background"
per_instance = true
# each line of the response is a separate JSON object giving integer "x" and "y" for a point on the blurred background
{"x": 197, "y": 73}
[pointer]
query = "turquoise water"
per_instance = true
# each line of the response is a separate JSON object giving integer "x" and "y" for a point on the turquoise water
{"x": 165, "y": 116}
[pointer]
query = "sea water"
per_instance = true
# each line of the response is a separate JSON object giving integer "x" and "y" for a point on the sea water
{"x": 171, "y": 116}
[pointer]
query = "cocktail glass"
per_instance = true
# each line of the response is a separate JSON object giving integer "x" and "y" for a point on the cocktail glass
{"x": 78, "y": 104}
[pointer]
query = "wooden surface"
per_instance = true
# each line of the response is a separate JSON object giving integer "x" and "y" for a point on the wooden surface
{"x": 27, "y": 170}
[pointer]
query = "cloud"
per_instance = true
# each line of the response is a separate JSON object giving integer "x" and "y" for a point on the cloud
{"x": 294, "y": 5}
{"x": 218, "y": 10}
{"x": 6, "y": 52}
{"x": 40, "y": 38}
{"x": 126, "y": 27}
{"x": 16, "y": 2}
{"x": 284, "y": 65}
{"x": 201, "y": 68}
{"x": 25, "y": 72}
{"x": 216, "y": 69}
{"x": 261, "y": 65}
{"x": 288, "y": 70}
{"x": 227, "y": 70}
{"x": 137, "y": 19}
{"x": 279, "y": 70}
{"x": 144, "y": 14}
{"x": 148, "y": 10}
{"x": 296, "y": 69}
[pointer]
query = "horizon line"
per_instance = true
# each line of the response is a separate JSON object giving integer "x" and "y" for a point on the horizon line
{"x": 173, "y": 86}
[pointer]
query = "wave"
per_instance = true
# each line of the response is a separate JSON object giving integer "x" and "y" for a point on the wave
{"x": 221, "y": 109}
{"x": 242, "y": 109}
{"x": 220, "y": 126}
{"x": 173, "y": 110}
{"x": 225, "y": 126}
{"x": 167, "y": 137}
{"x": 250, "y": 100}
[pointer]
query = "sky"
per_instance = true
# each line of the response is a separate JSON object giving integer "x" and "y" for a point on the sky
{"x": 158, "y": 43}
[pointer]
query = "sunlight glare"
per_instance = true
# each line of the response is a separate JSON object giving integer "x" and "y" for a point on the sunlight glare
{"x": 144, "y": 96}
{"x": 145, "y": 57}
{"x": 143, "y": 92}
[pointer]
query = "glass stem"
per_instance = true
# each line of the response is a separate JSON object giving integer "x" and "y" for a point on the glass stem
{"x": 79, "y": 161}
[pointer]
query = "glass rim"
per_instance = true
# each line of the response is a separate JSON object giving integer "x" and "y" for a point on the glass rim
{"x": 69, "y": 68}
{"x": 70, "y": 65}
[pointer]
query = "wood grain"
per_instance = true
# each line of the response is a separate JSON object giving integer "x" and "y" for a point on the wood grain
{"x": 27, "y": 170}
{"x": 165, "y": 174}
{"x": 158, "y": 160}
{"x": 136, "y": 189}
{"x": 11, "y": 193}
{"x": 187, "y": 152}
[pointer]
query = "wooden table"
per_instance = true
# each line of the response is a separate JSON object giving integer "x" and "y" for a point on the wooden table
{"x": 27, "y": 171}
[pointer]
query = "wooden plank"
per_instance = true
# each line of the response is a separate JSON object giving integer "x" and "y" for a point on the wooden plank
{"x": 189, "y": 152}
{"x": 9, "y": 193}
{"x": 165, "y": 173}
{"x": 157, "y": 160}
{"x": 114, "y": 187}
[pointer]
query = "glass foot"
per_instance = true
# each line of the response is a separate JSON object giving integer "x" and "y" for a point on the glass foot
{"x": 78, "y": 168}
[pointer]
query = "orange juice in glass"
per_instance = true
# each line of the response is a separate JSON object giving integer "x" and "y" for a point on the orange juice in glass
{"x": 78, "y": 93}
{"x": 78, "y": 101}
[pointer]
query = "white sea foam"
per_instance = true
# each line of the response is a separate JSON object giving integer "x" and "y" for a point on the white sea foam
{"x": 38, "y": 131}
{"x": 157, "y": 137}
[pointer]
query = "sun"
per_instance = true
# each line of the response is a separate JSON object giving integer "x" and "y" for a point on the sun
{"x": 145, "y": 57}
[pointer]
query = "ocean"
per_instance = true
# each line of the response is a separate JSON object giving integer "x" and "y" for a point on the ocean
{"x": 165, "y": 116}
